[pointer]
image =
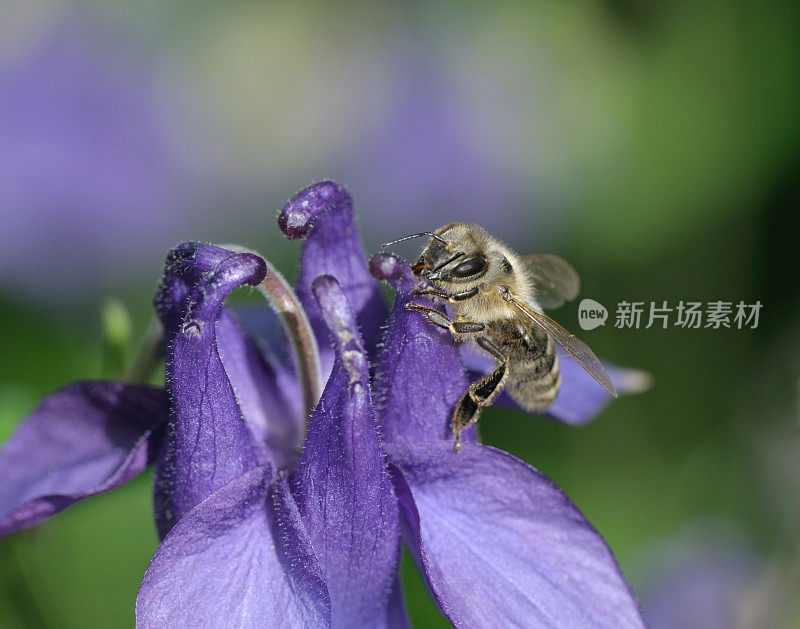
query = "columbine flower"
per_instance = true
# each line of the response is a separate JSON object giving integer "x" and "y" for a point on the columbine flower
{"x": 254, "y": 536}
{"x": 252, "y": 543}
{"x": 497, "y": 542}
{"x": 246, "y": 540}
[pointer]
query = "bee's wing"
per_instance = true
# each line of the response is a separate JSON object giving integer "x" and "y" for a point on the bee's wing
{"x": 554, "y": 279}
{"x": 576, "y": 348}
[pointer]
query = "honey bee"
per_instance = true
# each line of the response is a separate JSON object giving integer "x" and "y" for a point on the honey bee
{"x": 497, "y": 298}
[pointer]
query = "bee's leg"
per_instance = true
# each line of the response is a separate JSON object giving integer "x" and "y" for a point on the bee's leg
{"x": 432, "y": 291}
{"x": 492, "y": 349}
{"x": 479, "y": 395}
{"x": 443, "y": 321}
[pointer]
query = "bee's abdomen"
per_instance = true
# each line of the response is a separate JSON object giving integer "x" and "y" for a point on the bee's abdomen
{"x": 534, "y": 376}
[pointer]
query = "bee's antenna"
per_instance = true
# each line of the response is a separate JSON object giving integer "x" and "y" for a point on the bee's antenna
{"x": 431, "y": 234}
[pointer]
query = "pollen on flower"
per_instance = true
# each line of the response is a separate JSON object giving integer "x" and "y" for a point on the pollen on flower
{"x": 192, "y": 328}
{"x": 354, "y": 362}
{"x": 299, "y": 213}
{"x": 344, "y": 335}
{"x": 393, "y": 270}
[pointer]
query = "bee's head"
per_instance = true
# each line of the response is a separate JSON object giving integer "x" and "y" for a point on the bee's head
{"x": 455, "y": 257}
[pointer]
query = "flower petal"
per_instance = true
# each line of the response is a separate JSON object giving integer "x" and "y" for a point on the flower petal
{"x": 267, "y": 391}
{"x": 185, "y": 267}
{"x": 395, "y": 614}
{"x": 501, "y": 545}
{"x": 82, "y": 440}
{"x": 419, "y": 378}
{"x": 581, "y": 398}
{"x": 268, "y": 333}
{"x": 208, "y": 443}
{"x": 323, "y": 215}
{"x": 342, "y": 489}
{"x": 220, "y": 566}
{"x": 265, "y": 387}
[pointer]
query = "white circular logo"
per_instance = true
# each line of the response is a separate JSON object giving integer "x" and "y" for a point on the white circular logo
{"x": 591, "y": 314}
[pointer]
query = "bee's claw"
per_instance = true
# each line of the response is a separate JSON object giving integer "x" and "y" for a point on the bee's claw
{"x": 430, "y": 291}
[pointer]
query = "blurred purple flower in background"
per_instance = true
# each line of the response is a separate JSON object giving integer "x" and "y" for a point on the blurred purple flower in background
{"x": 705, "y": 578}
{"x": 397, "y": 110}
{"x": 92, "y": 167}
{"x": 706, "y": 592}
{"x": 429, "y": 150}
{"x": 254, "y": 534}
{"x": 100, "y": 160}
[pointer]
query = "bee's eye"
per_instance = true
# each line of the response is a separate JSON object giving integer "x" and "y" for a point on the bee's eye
{"x": 469, "y": 267}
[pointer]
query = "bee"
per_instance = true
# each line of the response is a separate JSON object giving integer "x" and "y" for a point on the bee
{"x": 497, "y": 299}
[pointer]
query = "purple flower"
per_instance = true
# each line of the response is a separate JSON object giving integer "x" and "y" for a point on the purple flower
{"x": 707, "y": 576}
{"x": 224, "y": 493}
{"x": 90, "y": 157}
{"x": 497, "y": 542}
{"x": 254, "y": 534}
{"x": 707, "y": 591}
{"x": 442, "y": 155}
{"x": 247, "y": 538}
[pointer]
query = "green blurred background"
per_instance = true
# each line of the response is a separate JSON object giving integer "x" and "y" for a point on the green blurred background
{"x": 654, "y": 145}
